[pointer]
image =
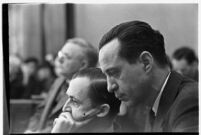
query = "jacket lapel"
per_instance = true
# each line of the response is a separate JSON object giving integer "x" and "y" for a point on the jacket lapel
{"x": 59, "y": 105}
{"x": 54, "y": 91}
{"x": 169, "y": 94}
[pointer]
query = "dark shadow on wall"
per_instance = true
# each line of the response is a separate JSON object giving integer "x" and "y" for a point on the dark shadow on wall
{"x": 70, "y": 20}
{"x": 5, "y": 69}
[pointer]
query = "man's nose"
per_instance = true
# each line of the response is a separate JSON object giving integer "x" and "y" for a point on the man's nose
{"x": 66, "y": 107}
{"x": 111, "y": 85}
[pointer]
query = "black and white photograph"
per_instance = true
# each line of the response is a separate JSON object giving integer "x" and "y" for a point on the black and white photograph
{"x": 105, "y": 67}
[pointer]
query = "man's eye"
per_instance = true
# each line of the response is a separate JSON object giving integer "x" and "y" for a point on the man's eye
{"x": 116, "y": 74}
{"x": 67, "y": 57}
{"x": 113, "y": 73}
{"x": 74, "y": 102}
{"x": 110, "y": 73}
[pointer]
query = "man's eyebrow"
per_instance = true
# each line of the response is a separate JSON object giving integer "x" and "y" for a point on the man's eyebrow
{"x": 109, "y": 70}
{"x": 69, "y": 96}
{"x": 74, "y": 98}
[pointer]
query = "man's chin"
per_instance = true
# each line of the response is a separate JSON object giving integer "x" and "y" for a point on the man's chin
{"x": 89, "y": 126}
{"x": 127, "y": 103}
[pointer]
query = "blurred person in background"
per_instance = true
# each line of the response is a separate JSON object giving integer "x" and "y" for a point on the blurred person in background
{"x": 45, "y": 78}
{"x": 29, "y": 69}
{"x": 76, "y": 54}
{"x": 15, "y": 77}
{"x": 185, "y": 62}
{"x": 90, "y": 107}
{"x": 169, "y": 61}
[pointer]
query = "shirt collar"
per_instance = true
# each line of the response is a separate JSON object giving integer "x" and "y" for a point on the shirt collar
{"x": 156, "y": 103}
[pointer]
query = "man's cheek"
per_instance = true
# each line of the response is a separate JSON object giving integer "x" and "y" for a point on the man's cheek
{"x": 77, "y": 115}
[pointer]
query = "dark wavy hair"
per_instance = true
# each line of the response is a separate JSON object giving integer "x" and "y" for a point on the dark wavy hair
{"x": 185, "y": 53}
{"x": 134, "y": 38}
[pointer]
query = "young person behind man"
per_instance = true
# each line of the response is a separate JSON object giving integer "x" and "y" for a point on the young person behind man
{"x": 132, "y": 55}
{"x": 29, "y": 69}
{"x": 76, "y": 54}
{"x": 185, "y": 62}
{"x": 90, "y": 107}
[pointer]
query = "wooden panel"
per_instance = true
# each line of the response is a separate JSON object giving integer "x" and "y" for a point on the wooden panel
{"x": 20, "y": 113}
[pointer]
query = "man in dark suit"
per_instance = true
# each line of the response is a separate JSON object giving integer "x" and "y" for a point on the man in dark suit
{"x": 132, "y": 55}
{"x": 75, "y": 55}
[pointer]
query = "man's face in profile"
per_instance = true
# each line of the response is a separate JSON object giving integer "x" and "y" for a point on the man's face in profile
{"x": 79, "y": 103}
{"x": 124, "y": 79}
{"x": 70, "y": 59}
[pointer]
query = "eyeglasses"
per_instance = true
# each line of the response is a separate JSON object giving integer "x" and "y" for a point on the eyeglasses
{"x": 60, "y": 54}
{"x": 63, "y": 55}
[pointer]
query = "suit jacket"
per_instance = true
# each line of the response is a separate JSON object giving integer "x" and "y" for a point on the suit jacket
{"x": 178, "y": 107}
{"x": 40, "y": 120}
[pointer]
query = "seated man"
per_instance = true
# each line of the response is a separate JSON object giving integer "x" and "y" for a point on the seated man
{"x": 30, "y": 83}
{"x": 185, "y": 62}
{"x": 16, "y": 87}
{"x": 90, "y": 107}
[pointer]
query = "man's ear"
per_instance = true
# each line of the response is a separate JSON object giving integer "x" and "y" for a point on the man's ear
{"x": 84, "y": 64}
{"x": 104, "y": 110}
{"x": 147, "y": 60}
{"x": 195, "y": 64}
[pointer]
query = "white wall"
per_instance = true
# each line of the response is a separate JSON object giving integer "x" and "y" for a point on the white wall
{"x": 25, "y": 29}
{"x": 177, "y": 22}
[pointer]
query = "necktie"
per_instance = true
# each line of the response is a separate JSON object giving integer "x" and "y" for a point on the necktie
{"x": 151, "y": 120}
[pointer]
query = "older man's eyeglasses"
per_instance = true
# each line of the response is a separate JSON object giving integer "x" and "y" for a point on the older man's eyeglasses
{"x": 63, "y": 55}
